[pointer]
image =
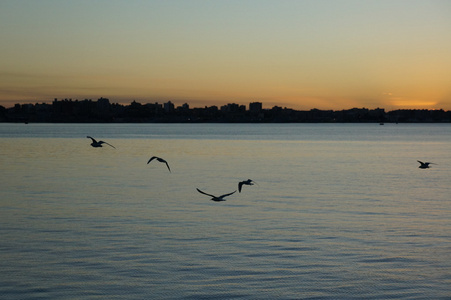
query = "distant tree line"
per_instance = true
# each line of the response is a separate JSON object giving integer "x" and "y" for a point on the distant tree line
{"x": 102, "y": 111}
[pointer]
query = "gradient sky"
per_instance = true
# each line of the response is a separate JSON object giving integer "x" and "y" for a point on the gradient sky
{"x": 299, "y": 54}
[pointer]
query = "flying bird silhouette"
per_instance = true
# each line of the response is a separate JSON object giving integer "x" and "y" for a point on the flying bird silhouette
{"x": 214, "y": 198}
{"x": 98, "y": 144}
{"x": 424, "y": 165}
{"x": 160, "y": 160}
{"x": 245, "y": 182}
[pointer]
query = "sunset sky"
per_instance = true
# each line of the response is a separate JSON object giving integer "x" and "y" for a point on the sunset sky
{"x": 325, "y": 54}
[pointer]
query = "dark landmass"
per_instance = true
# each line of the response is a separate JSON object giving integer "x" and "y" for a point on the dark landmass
{"x": 102, "y": 111}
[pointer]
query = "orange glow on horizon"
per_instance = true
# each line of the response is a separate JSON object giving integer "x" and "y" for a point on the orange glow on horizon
{"x": 419, "y": 104}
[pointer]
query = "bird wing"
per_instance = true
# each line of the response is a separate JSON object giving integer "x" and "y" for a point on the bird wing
{"x": 205, "y": 193}
{"x": 102, "y": 142}
{"x": 92, "y": 139}
{"x": 167, "y": 165}
{"x": 240, "y": 184}
{"x": 152, "y": 158}
{"x": 225, "y": 195}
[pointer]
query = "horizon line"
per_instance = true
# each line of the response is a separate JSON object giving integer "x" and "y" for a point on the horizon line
{"x": 213, "y": 105}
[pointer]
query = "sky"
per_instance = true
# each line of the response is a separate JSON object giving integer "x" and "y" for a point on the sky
{"x": 324, "y": 54}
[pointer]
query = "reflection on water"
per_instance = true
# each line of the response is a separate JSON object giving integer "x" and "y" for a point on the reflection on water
{"x": 341, "y": 215}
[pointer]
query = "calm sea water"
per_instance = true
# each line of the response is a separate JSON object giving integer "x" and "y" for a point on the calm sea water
{"x": 340, "y": 211}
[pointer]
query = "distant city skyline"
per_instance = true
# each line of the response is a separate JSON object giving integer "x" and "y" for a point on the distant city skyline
{"x": 298, "y": 54}
{"x": 89, "y": 111}
{"x": 180, "y": 104}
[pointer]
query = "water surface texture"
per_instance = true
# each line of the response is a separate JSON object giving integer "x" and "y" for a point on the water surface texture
{"x": 341, "y": 211}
